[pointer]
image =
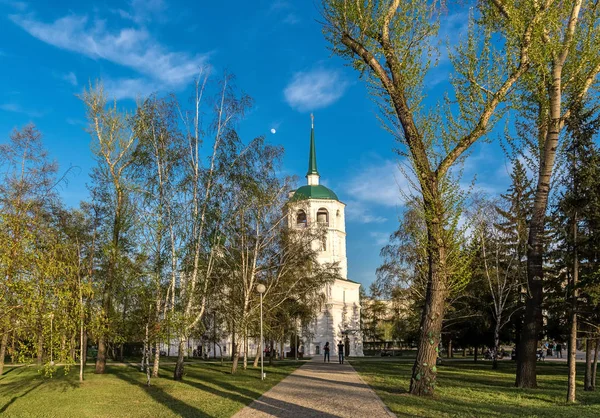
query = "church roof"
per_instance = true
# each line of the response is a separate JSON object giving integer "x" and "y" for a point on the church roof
{"x": 314, "y": 192}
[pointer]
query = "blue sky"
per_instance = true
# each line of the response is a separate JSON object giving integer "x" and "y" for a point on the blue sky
{"x": 275, "y": 48}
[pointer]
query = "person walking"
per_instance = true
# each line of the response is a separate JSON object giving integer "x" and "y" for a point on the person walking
{"x": 340, "y": 347}
{"x": 558, "y": 350}
{"x": 326, "y": 352}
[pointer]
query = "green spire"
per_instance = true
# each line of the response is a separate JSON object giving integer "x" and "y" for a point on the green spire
{"x": 312, "y": 156}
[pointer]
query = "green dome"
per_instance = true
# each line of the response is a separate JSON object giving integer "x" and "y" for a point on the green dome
{"x": 314, "y": 192}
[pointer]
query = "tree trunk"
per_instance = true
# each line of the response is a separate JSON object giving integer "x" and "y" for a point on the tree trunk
{"x": 3, "y": 345}
{"x": 475, "y": 355}
{"x": 233, "y": 344}
{"x": 595, "y": 366}
{"x": 234, "y": 363}
{"x": 281, "y": 353}
{"x": 40, "y": 346}
{"x": 587, "y": 380}
{"x": 255, "y": 365}
{"x": 82, "y": 351}
{"x": 101, "y": 356}
{"x": 572, "y": 348}
{"x": 527, "y": 361}
{"x": 271, "y": 354}
{"x": 146, "y": 358}
{"x": 496, "y": 342}
{"x": 13, "y": 352}
{"x": 245, "y": 351}
{"x": 424, "y": 370}
{"x": 85, "y": 347}
{"x": 178, "y": 373}
{"x": 449, "y": 353}
{"x": 156, "y": 364}
{"x": 572, "y": 358}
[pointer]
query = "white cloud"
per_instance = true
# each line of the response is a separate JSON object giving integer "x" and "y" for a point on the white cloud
{"x": 314, "y": 89}
{"x": 16, "y": 108}
{"x": 380, "y": 238}
{"x": 133, "y": 48}
{"x": 143, "y": 11}
{"x": 379, "y": 184}
{"x": 360, "y": 212}
{"x": 130, "y": 88}
{"x": 17, "y": 5}
{"x": 71, "y": 78}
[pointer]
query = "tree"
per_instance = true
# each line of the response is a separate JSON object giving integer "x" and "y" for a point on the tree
{"x": 158, "y": 156}
{"x": 500, "y": 265}
{"x": 386, "y": 41}
{"x": 576, "y": 208}
{"x": 515, "y": 208}
{"x": 204, "y": 205}
{"x": 565, "y": 66}
{"x": 260, "y": 247}
{"x": 26, "y": 197}
{"x": 113, "y": 143}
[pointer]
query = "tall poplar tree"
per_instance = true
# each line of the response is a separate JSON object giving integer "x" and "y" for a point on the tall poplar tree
{"x": 565, "y": 66}
{"x": 390, "y": 42}
{"x": 113, "y": 143}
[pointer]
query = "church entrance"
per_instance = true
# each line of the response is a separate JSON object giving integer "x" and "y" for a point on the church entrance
{"x": 318, "y": 349}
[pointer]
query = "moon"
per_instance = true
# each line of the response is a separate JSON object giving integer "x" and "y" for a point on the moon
{"x": 273, "y": 130}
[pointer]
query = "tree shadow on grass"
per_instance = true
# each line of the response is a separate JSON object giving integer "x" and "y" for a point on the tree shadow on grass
{"x": 14, "y": 398}
{"x": 236, "y": 392}
{"x": 177, "y": 406}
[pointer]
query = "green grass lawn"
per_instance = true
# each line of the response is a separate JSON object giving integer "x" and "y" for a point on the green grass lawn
{"x": 467, "y": 389}
{"x": 207, "y": 390}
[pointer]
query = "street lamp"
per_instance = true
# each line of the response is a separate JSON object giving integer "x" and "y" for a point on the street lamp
{"x": 261, "y": 289}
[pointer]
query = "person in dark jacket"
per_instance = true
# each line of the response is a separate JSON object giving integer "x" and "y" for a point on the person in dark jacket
{"x": 340, "y": 347}
{"x": 326, "y": 352}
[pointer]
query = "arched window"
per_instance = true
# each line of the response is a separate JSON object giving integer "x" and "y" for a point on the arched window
{"x": 323, "y": 217}
{"x": 301, "y": 218}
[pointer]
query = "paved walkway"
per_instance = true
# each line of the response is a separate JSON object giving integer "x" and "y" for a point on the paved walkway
{"x": 319, "y": 390}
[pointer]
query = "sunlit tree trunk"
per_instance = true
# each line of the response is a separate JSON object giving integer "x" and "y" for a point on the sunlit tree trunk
{"x": 572, "y": 348}
{"x": 587, "y": 379}
{"x": 3, "y": 344}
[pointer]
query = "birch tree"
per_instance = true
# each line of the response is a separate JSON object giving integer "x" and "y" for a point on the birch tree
{"x": 260, "y": 247}
{"x": 158, "y": 154}
{"x": 202, "y": 201}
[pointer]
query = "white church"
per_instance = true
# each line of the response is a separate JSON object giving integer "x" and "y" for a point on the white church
{"x": 339, "y": 319}
{"x": 314, "y": 205}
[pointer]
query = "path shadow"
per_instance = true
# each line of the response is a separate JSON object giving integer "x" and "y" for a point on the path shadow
{"x": 177, "y": 406}
{"x": 236, "y": 397}
{"x": 278, "y": 408}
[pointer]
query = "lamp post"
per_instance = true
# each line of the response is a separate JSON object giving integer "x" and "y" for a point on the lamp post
{"x": 261, "y": 289}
